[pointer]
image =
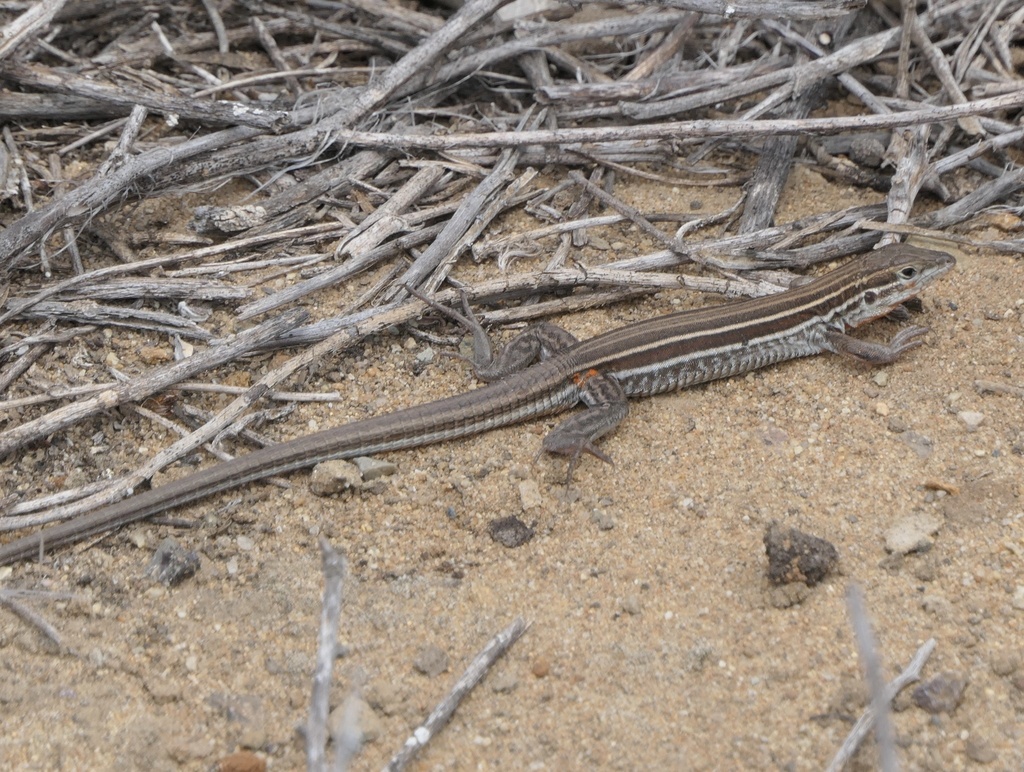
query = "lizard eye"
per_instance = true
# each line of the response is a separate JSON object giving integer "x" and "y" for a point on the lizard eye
{"x": 908, "y": 273}
{"x": 870, "y": 297}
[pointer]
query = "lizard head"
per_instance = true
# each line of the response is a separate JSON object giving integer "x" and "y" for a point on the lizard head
{"x": 892, "y": 276}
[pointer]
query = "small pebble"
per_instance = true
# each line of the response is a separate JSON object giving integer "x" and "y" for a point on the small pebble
{"x": 774, "y": 436}
{"x": 188, "y": 752}
{"x": 139, "y": 537}
{"x": 937, "y": 605}
{"x": 1005, "y": 663}
{"x": 386, "y": 697}
{"x": 431, "y": 660}
{"x": 330, "y": 477}
{"x": 921, "y": 445}
{"x": 794, "y": 556}
{"x": 896, "y": 425}
{"x": 519, "y": 472}
{"x": 971, "y": 419}
{"x": 373, "y": 468}
{"x": 912, "y": 533}
{"x": 370, "y": 725}
{"x": 153, "y": 355}
{"x": 979, "y": 750}
{"x": 540, "y": 668}
{"x": 529, "y": 495}
{"x": 1018, "y": 598}
{"x": 926, "y": 570}
{"x": 172, "y": 563}
{"x": 941, "y": 694}
{"x": 510, "y": 532}
{"x": 788, "y": 595}
{"x": 504, "y": 683}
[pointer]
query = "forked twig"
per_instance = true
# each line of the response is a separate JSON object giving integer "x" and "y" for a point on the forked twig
{"x": 483, "y": 661}
{"x": 910, "y": 674}
{"x": 884, "y": 735}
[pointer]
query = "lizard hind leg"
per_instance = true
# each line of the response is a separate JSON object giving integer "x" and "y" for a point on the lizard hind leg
{"x": 536, "y": 342}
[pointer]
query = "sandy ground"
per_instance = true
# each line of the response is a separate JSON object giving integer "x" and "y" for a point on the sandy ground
{"x": 656, "y": 640}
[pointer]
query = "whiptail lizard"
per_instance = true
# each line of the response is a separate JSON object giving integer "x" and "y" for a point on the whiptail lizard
{"x": 649, "y": 357}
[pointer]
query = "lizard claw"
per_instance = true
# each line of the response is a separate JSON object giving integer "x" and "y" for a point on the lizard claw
{"x": 575, "y": 451}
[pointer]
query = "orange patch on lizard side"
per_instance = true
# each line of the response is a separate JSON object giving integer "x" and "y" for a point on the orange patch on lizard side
{"x": 580, "y": 379}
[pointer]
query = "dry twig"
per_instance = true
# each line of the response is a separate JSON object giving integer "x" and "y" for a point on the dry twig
{"x": 910, "y": 674}
{"x": 473, "y": 674}
{"x": 334, "y": 569}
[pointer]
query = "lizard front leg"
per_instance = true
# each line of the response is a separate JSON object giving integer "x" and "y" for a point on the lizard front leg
{"x": 875, "y": 353}
{"x": 606, "y": 408}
